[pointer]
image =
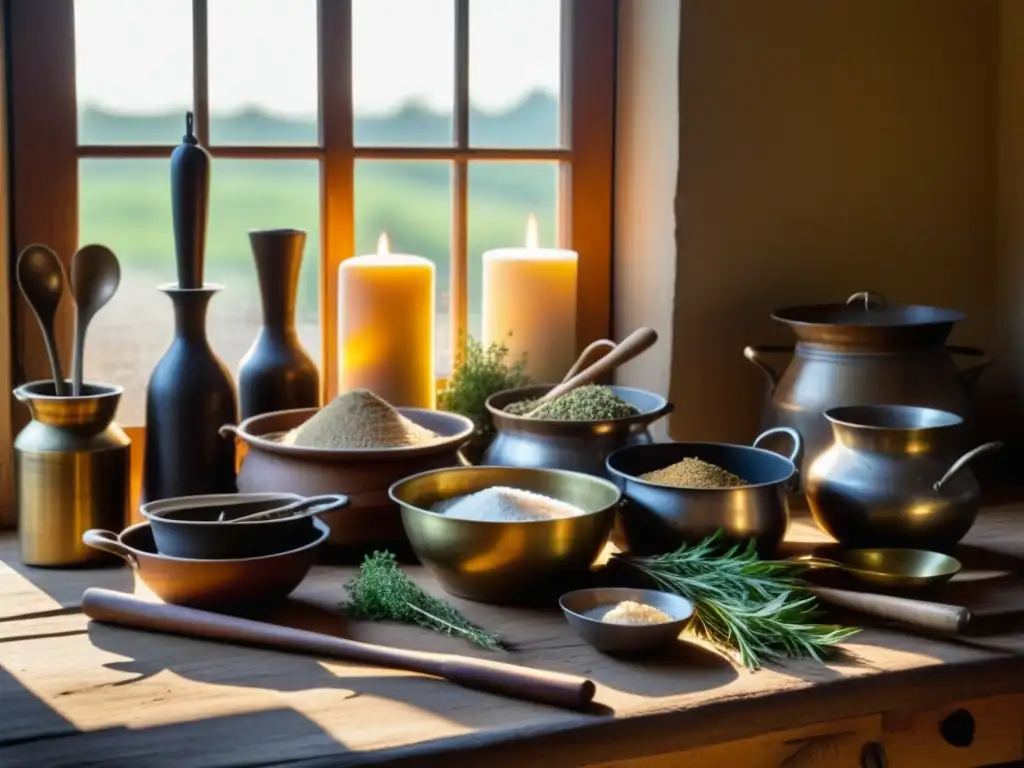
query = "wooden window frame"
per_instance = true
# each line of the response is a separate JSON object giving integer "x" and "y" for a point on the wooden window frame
{"x": 44, "y": 153}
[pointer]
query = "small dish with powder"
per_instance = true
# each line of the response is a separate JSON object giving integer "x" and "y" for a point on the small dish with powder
{"x": 622, "y": 619}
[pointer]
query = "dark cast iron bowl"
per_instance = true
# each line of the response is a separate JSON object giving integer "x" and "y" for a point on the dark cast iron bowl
{"x": 188, "y": 526}
{"x": 655, "y": 518}
{"x": 231, "y": 586}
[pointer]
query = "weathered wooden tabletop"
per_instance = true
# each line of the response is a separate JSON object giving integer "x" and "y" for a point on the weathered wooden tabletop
{"x": 77, "y": 693}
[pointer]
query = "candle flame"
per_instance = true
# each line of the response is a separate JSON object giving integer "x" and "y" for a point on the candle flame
{"x": 383, "y": 248}
{"x": 532, "y": 237}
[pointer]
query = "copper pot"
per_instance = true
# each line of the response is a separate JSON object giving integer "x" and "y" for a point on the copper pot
{"x": 864, "y": 352}
{"x": 371, "y": 518}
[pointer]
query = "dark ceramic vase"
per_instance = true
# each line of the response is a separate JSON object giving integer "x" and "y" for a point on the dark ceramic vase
{"x": 190, "y": 395}
{"x": 276, "y": 374}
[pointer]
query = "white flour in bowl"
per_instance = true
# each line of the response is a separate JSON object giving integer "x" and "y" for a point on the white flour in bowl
{"x": 499, "y": 504}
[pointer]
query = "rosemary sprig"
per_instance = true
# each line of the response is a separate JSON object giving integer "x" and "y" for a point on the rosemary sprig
{"x": 752, "y": 607}
{"x": 381, "y": 591}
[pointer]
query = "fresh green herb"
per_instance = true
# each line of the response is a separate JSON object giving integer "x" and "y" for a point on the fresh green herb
{"x": 480, "y": 373}
{"x": 746, "y": 605}
{"x": 381, "y": 591}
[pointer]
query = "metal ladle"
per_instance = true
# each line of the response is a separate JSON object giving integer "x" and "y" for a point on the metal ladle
{"x": 902, "y": 568}
{"x": 41, "y": 280}
{"x": 314, "y": 505}
{"x": 95, "y": 276}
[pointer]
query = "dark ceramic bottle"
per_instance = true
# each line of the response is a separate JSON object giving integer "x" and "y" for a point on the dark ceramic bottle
{"x": 190, "y": 395}
{"x": 276, "y": 374}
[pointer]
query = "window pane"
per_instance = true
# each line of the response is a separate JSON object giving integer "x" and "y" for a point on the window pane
{"x": 263, "y": 72}
{"x": 410, "y": 200}
{"x": 515, "y": 72}
{"x": 126, "y": 205}
{"x": 403, "y": 72}
{"x": 259, "y": 194}
{"x": 133, "y": 64}
{"x": 501, "y": 198}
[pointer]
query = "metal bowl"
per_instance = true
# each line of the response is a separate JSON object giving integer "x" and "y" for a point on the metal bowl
{"x": 659, "y": 518}
{"x": 579, "y": 446}
{"x": 371, "y": 518}
{"x": 506, "y": 562}
{"x": 584, "y": 608}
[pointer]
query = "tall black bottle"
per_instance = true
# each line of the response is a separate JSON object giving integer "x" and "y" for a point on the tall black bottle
{"x": 190, "y": 392}
{"x": 276, "y": 374}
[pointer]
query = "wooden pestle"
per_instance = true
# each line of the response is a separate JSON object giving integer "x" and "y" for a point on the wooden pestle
{"x": 638, "y": 341}
{"x": 555, "y": 688}
{"x": 922, "y": 614}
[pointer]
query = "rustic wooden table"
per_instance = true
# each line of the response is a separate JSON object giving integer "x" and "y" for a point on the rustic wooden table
{"x": 77, "y": 693}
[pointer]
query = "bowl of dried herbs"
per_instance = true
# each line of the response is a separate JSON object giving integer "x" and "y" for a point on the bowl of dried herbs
{"x": 576, "y": 431}
{"x": 679, "y": 493}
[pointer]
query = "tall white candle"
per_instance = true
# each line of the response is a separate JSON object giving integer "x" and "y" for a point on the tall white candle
{"x": 530, "y": 293}
{"x": 386, "y": 326}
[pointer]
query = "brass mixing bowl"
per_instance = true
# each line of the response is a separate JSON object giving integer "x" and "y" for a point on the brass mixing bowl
{"x": 506, "y": 562}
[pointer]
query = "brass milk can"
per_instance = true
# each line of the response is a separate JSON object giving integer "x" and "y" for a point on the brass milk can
{"x": 71, "y": 472}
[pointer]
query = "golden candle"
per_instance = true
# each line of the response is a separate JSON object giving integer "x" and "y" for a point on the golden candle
{"x": 530, "y": 293}
{"x": 386, "y": 326}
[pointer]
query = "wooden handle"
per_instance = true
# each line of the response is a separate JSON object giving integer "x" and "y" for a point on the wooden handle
{"x": 638, "y": 341}
{"x": 560, "y": 690}
{"x": 935, "y": 617}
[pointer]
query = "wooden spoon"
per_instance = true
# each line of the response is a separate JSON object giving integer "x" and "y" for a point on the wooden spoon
{"x": 540, "y": 685}
{"x": 41, "y": 279}
{"x": 95, "y": 275}
{"x": 638, "y": 341}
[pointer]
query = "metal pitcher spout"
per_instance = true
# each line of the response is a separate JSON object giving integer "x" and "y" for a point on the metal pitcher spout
{"x": 966, "y": 459}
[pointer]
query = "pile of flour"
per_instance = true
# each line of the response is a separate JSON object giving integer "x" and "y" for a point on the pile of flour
{"x": 499, "y": 504}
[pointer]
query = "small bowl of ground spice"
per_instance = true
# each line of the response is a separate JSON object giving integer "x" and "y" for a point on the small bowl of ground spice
{"x": 576, "y": 431}
{"x": 621, "y": 619}
{"x": 678, "y": 493}
{"x": 357, "y": 445}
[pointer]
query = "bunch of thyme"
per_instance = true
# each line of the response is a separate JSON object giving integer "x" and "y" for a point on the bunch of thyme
{"x": 381, "y": 591}
{"x": 481, "y": 372}
{"x": 752, "y": 607}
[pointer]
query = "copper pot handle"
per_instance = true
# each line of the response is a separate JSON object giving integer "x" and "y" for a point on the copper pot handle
{"x": 866, "y": 297}
{"x": 107, "y": 541}
{"x": 966, "y": 459}
{"x": 753, "y": 354}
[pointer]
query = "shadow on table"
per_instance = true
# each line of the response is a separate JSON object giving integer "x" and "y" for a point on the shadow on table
{"x": 269, "y": 737}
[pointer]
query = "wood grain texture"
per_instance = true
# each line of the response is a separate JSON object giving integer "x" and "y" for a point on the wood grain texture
{"x": 75, "y": 691}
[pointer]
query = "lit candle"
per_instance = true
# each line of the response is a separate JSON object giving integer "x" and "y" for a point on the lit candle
{"x": 386, "y": 326}
{"x": 530, "y": 293}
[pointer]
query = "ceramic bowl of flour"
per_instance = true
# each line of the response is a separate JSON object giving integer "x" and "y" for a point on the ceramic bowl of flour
{"x": 507, "y": 535}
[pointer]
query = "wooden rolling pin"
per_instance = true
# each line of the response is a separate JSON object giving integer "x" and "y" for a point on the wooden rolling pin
{"x": 555, "y": 688}
{"x": 922, "y": 614}
{"x": 638, "y": 341}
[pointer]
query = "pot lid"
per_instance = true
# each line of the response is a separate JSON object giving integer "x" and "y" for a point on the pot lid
{"x": 867, "y": 319}
{"x": 867, "y": 309}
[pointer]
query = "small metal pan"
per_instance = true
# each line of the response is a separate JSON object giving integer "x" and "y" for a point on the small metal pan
{"x": 891, "y": 568}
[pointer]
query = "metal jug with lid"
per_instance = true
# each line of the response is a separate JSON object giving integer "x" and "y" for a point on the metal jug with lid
{"x": 864, "y": 352}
